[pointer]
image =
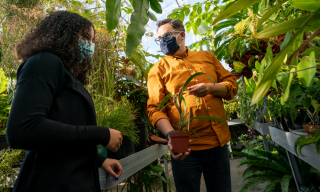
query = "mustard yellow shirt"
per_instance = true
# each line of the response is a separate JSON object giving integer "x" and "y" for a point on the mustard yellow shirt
{"x": 170, "y": 73}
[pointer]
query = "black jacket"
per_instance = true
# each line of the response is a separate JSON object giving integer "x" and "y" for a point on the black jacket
{"x": 53, "y": 118}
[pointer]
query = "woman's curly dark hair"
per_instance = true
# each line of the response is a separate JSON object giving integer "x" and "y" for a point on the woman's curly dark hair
{"x": 59, "y": 33}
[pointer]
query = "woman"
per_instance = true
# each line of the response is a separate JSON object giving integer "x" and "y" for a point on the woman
{"x": 53, "y": 116}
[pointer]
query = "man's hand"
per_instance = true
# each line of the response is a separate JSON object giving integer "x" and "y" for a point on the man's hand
{"x": 180, "y": 156}
{"x": 115, "y": 140}
{"x": 113, "y": 167}
{"x": 201, "y": 89}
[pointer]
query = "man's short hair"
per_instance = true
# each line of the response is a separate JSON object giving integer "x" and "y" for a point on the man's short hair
{"x": 177, "y": 24}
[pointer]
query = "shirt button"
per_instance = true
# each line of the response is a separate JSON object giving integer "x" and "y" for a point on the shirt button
{"x": 190, "y": 69}
{"x": 175, "y": 58}
{"x": 208, "y": 107}
{"x": 212, "y": 122}
{"x": 196, "y": 79}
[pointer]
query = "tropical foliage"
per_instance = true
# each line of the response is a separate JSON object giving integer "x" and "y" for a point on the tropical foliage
{"x": 274, "y": 168}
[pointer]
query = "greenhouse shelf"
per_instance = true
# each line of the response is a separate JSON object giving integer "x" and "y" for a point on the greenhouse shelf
{"x": 235, "y": 122}
{"x": 263, "y": 129}
{"x": 133, "y": 164}
{"x": 287, "y": 140}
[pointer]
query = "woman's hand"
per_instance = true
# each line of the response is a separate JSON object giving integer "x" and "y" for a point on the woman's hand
{"x": 180, "y": 156}
{"x": 113, "y": 167}
{"x": 115, "y": 140}
{"x": 201, "y": 89}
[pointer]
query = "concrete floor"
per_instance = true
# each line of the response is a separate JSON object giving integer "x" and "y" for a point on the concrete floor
{"x": 236, "y": 177}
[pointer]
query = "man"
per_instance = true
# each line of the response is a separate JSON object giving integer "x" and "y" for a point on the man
{"x": 209, "y": 152}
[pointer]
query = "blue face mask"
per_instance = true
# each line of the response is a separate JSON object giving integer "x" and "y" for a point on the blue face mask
{"x": 170, "y": 47}
{"x": 86, "y": 48}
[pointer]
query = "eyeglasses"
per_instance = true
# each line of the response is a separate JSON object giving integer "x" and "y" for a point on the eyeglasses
{"x": 166, "y": 37}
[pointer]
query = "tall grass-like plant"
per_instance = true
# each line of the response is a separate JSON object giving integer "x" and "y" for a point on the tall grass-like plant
{"x": 180, "y": 103}
{"x": 117, "y": 115}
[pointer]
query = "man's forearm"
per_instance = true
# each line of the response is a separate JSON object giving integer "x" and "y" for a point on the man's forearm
{"x": 218, "y": 89}
{"x": 164, "y": 126}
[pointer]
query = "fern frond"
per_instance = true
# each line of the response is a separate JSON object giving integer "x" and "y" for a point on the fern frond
{"x": 255, "y": 181}
{"x": 266, "y": 164}
{"x": 272, "y": 185}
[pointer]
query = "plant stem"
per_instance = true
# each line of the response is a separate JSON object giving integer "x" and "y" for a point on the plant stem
{"x": 302, "y": 46}
{"x": 283, "y": 12}
{"x": 298, "y": 71}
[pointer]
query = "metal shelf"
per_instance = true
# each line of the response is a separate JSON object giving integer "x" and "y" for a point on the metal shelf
{"x": 262, "y": 128}
{"x": 287, "y": 140}
{"x": 133, "y": 163}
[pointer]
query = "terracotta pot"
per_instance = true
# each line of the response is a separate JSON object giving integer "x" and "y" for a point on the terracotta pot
{"x": 179, "y": 142}
{"x": 309, "y": 128}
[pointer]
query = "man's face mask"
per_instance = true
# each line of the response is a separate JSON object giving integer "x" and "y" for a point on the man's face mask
{"x": 86, "y": 48}
{"x": 169, "y": 46}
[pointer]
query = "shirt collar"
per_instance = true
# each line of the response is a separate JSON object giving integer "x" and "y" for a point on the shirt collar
{"x": 186, "y": 53}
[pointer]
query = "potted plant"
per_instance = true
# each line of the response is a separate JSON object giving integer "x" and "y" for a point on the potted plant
{"x": 118, "y": 115}
{"x": 231, "y": 108}
{"x": 314, "y": 125}
{"x": 180, "y": 139}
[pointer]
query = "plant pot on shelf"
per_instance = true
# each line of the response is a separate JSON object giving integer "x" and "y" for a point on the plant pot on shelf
{"x": 143, "y": 135}
{"x": 3, "y": 142}
{"x": 179, "y": 142}
{"x": 311, "y": 129}
{"x": 297, "y": 124}
{"x": 125, "y": 150}
{"x": 234, "y": 116}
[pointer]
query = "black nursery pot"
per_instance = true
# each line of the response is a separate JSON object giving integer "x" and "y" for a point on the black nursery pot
{"x": 297, "y": 124}
{"x": 3, "y": 142}
{"x": 234, "y": 116}
{"x": 143, "y": 135}
{"x": 126, "y": 149}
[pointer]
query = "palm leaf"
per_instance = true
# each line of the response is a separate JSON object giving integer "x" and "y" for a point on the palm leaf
{"x": 255, "y": 181}
{"x": 272, "y": 185}
{"x": 266, "y": 164}
{"x": 285, "y": 183}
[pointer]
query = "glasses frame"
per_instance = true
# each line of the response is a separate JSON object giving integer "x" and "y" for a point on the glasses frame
{"x": 159, "y": 39}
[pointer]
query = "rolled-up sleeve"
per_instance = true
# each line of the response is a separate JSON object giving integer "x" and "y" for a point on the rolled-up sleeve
{"x": 226, "y": 78}
{"x": 156, "y": 90}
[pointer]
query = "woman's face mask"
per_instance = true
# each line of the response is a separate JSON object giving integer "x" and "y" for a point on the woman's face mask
{"x": 86, "y": 47}
{"x": 170, "y": 47}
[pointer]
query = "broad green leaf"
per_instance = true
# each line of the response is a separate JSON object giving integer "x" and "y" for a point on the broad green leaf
{"x": 238, "y": 66}
{"x": 224, "y": 24}
{"x": 207, "y": 6}
{"x": 286, "y": 40}
{"x": 308, "y": 51}
{"x": 157, "y": 168}
{"x": 112, "y": 13}
{"x": 286, "y": 26}
{"x": 269, "y": 13}
{"x": 152, "y": 16}
{"x": 199, "y": 10}
{"x": 206, "y": 117}
{"x": 258, "y": 66}
{"x": 265, "y": 82}
{"x": 233, "y": 9}
{"x": 164, "y": 100}
{"x": 155, "y": 5}
{"x": 202, "y": 29}
{"x": 285, "y": 183}
{"x": 187, "y": 12}
{"x": 307, "y": 102}
{"x": 310, "y": 5}
{"x": 307, "y": 76}
{"x": 136, "y": 29}
{"x": 274, "y": 85}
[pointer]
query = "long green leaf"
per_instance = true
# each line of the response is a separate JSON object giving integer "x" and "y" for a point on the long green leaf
{"x": 285, "y": 183}
{"x": 287, "y": 89}
{"x": 155, "y": 5}
{"x": 197, "y": 101}
{"x": 269, "y": 13}
{"x": 262, "y": 173}
{"x": 307, "y": 76}
{"x": 137, "y": 57}
{"x": 298, "y": 141}
{"x": 166, "y": 106}
{"x": 270, "y": 73}
{"x": 195, "y": 133}
{"x": 287, "y": 26}
{"x": 164, "y": 100}
{"x": 233, "y": 9}
{"x": 152, "y": 16}
{"x": 308, "y": 141}
{"x": 136, "y": 29}
{"x": 205, "y": 117}
{"x": 112, "y": 13}
{"x": 184, "y": 106}
{"x": 190, "y": 79}
{"x": 310, "y": 5}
